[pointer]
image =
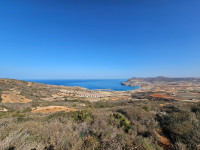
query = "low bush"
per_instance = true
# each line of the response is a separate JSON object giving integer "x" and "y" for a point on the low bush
{"x": 74, "y": 105}
{"x": 18, "y": 115}
{"x": 146, "y": 108}
{"x": 91, "y": 142}
{"x": 170, "y": 108}
{"x": 82, "y": 115}
{"x": 23, "y": 119}
{"x": 181, "y": 126}
{"x": 3, "y": 114}
{"x": 195, "y": 109}
{"x": 121, "y": 121}
{"x": 57, "y": 115}
{"x": 109, "y": 104}
{"x": 145, "y": 144}
{"x": 105, "y": 125}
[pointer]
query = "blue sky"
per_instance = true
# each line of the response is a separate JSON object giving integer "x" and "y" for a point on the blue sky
{"x": 48, "y": 39}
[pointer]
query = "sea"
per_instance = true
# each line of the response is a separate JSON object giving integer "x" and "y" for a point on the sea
{"x": 92, "y": 84}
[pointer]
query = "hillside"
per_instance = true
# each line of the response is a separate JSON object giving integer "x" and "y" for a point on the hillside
{"x": 164, "y": 79}
{"x": 47, "y": 117}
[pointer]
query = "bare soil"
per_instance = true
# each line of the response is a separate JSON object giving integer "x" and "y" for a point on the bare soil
{"x": 14, "y": 97}
{"x": 52, "y": 109}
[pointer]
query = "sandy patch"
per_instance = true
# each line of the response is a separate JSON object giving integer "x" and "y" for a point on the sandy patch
{"x": 115, "y": 98}
{"x": 29, "y": 83}
{"x": 14, "y": 97}
{"x": 164, "y": 104}
{"x": 52, "y": 109}
{"x": 3, "y": 109}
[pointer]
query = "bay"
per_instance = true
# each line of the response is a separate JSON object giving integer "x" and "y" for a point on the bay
{"x": 92, "y": 84}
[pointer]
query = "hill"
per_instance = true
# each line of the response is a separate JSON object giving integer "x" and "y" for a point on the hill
{"x": 47, "y": 117}
{"x": 164, "y": 79}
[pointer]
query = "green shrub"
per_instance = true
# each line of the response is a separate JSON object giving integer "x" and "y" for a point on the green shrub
{"x": 170, "y": 109}
{"x": 101, "y": 104}
{"x": 3, "y": 114}
{"x": 79, "y": 116}
{"x": 23, "y": 119}
{"x": 82, "y": 115}
{"x": 92, "y": 143}
{"x": 91, "y": 107}
{"x": 27, "y": 110}
{"x": 74, "y": 105}
{"x": 122, "y": 121}
{"x": 11, "y": 114}
{"x": 145, "y": 108}
{"x": 73, "y": 100}
{"x": 18, "y": 115}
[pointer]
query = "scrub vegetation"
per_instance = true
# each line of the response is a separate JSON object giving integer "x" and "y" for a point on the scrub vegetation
{"x": 131, "y": 126}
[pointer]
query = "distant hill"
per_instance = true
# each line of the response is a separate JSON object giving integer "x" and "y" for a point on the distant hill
{"x": 151, "y": 80}
{"x": 165, "y": 79}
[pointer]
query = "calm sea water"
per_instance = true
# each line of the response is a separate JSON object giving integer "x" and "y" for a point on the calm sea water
{"x": 92, "y": 84}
